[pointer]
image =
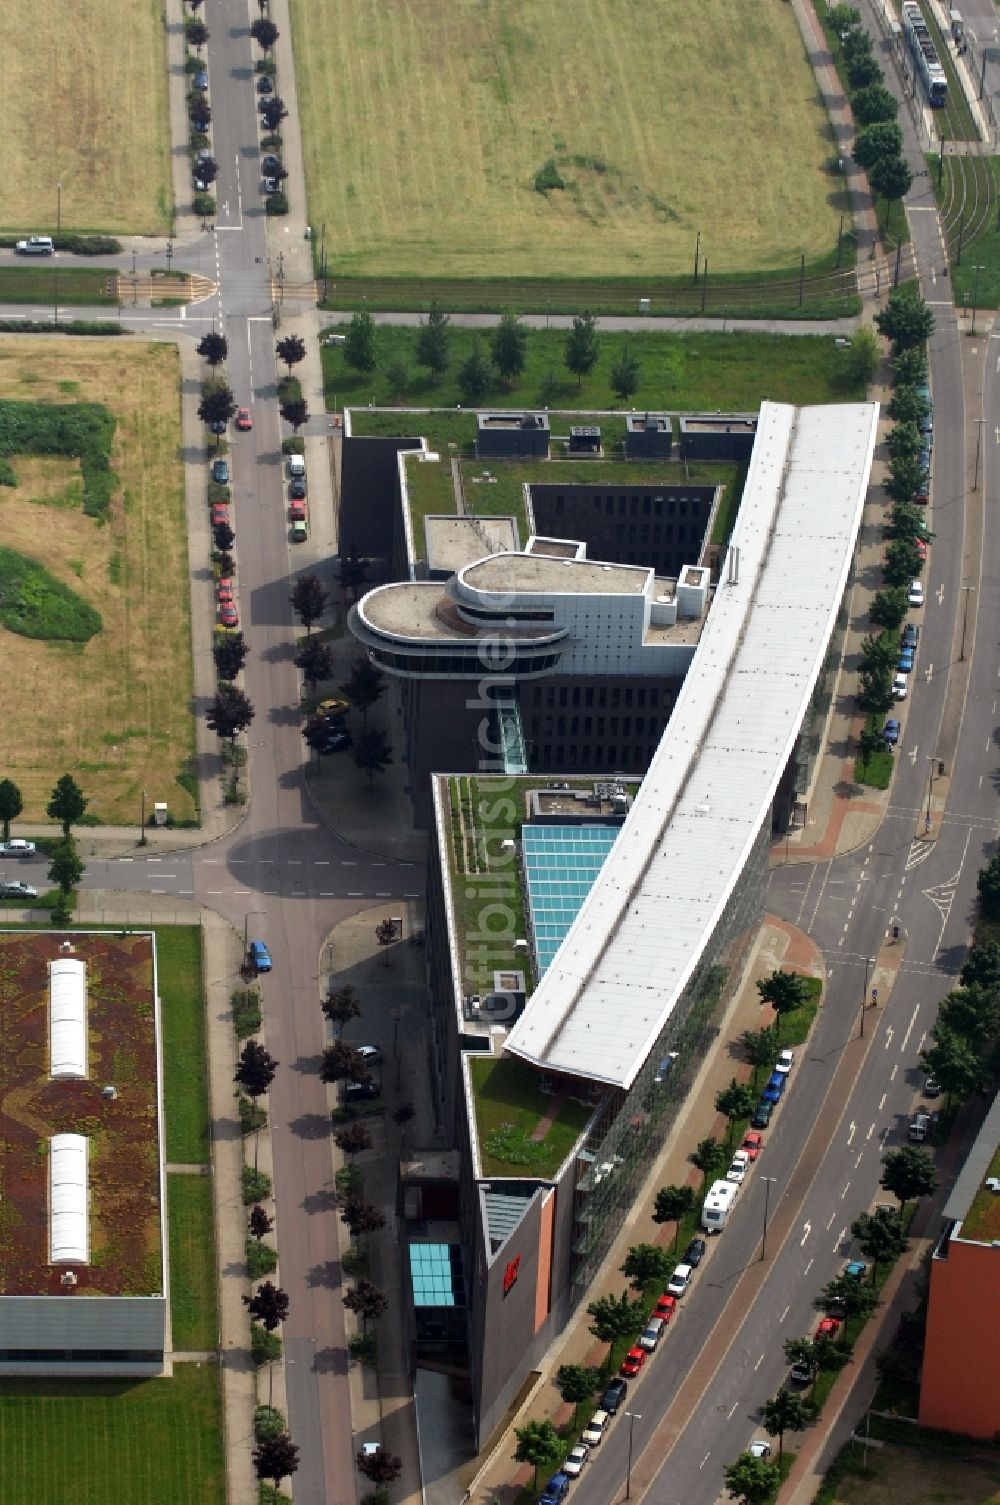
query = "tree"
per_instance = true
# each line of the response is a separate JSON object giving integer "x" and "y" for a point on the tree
{"x": 980, "y": 970}
{"x": 708, "y": 1156}
{"x": 264, "y": 33}
{"x": 433, "y": 341}
{"x": 577, "y": 1384}
{"x": 909, "y": 367}
{"x": 908, "y": 405}
{"x": 988, "y": 888}
{"x": 865, "y": 354}
{"x": 539, "y": 1444}
{"x": 372, "y": 752}
{"x": 353, "y": 1140}
{"x": 873, "y": 103}
{"x": 66, "y": 868}
{"x": 508, "y": 347}
{"x": 904, "y": 441}
{"x": 625, "y": 375}
{"x": 268, "y": 1305}
{"x": 891, "y": 178}
{"x": 874, "y": 142}
{"x": 217, "y": 404}
{"x": 672, "y": 1204}
{"x": 341, "y": 1062}
{"x": 906, "y": 321}
{"x": 803, "y": 1351}
{"x": 871, "y": 742}
{"x": 878, "y": 652}
{"x": 273, "y": 111}
{"x": 751, "y": 1480}
{"x": 259, "y": 1223}
{"x": 208, "y": 170}
{"x": 359, "y": 342}
{"x": 295, "y": 412}
{"x": 366, "y": 1301}
{"x": 291, "y": 350}
{"x": 875, "y": 693}
{"x": 381, "y": 1467}
{"x": 785, "y": 992}
{"x": 230, "y": 653}
{"x": 197, "y": 33}
{"x": 849, "y": 1298}
{"x": 955, "y": 1064}
{"x": 361, "y": 1217}
{"x": 316, "y": 731}
{"x": 736, "y": 1102}
{"x": 11, "y": 805}
{"x": 614, "y": 1317}
{"x": 275, "y": 1458}
{"x": 907, "y": 520}
{"x": 646, "y": 1262}
{"x": 229, "y": 713}
{"x": 902, "y": 561}
{"x": 309, "y": 600}
{"x": 758, "y": 1047}
{"x": 843, "y": 19}
{"x": 880, "y": 1236}
{"x": 67, "y": 803}
{"x": 972, "y": 1012}
{"x": 255, "y": 1069}
{"x": 398, "y": 377}
{"x": 213, "y": 348}
{"x": 889, "y": 608}
{"x": 475, "y": 374}
{"x": 582, "y": 347}
{"x": 223, "y": 537}
{"x": 364, "y": 685}
{"x": 315, "y": 660}
{"x": 863, "y": 70}
{"x": 903, "y": 480}
{"x": 340, "y": 1006}
{"x": 199, "y": 112}
{"x": 786, "y": 1412}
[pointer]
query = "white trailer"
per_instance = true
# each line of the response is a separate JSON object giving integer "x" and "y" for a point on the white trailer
{"x": 718, "y": 1205}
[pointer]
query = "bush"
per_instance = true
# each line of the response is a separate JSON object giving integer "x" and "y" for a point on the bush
{"x": 363, "y": 1347}
{"x": 277, "y": 203}
{"x": 73, "y": 326}
{"x": 268, "y": 1422}
{"x": 256, "y": 1186}
{"x": 203, "y": 205}
{"x": 36, "y": 605}
{"x": 271, "y": 143}
{"x": 294, "y": 446}
{"x": 218, "y": 493}
{"x": 80, "y": 245}
{"x": 376, "y": 1497}
{"x": 549, "y": 177}
{"x": 261, "y": 1259}
{"x": 77, "y": 430}
{"x": 247, "y": 1017}
{"x": 252, "y": 1115}
{"x": 265, "y": 1347}
{"x": 349, "y": 1181}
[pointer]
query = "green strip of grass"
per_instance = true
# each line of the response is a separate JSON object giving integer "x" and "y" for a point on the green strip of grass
{"x": 157, "y": 1442}
{"x": 508, "y": 1100}
{"x": 49, "y": 284}
{"x": 178, "y": 954}
{"x": 193, "y": 1309}
{"x": 982, "y": 248}
{"x": 702, "y": 372}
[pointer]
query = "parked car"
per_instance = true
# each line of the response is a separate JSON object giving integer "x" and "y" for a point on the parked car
{"x": 362, "y": 1092}
{"x": 760, "y": 1448}
{"x": 753, "y": 1143}
{"x": 910, "y": 634}
{"x": 17, "y": 848}
{"x": 665, "y": 1067}
{"x": 762, "y": 1114}
{"x": 802, "y": 1373}
{"x": 260, "y": 956}
{"x": 269, "y": 163}
{"x": 220, "y": 514}
{"x": 596, "y": 1429}
{"x": 915, "y": 594}
{"x": 370, "y": 1054}
{"x": 297, "y": 488}
{"x": 633, "y": 1362}
{"x": 224, "y": 589}
{"x": 651, "y": 1334}
{"x": 265, "y": 85}
{"x": 905, "y": 664}
{"x": 334, "y": 742}
{"x": 891, "y": 731}
{"x": 829, "y": 1327}
{"x": 244, "y": 420}
{"x": 900, "y": 686}
{"x": 856, "y": 1269}
{"x": 201, "y": 80}
{"x": 775, "y": 1087}
{"x": 613, "y": 1396}
{"x": 920, "y": 1127}
{"x": 296, "y": 512}
{"x": 272, "y": 185}
{"x": 695, "y": 1253}
{"x": 575, "y": 1459}
{"x": 228, "y": 614}
{"x": 665, "y": 1307}
{"x": 17, "y": 890}
{"x": 300, "y": 532}
{"x": 680, "y": 1280}
{"x": 336, "y": 705}
{"x": 35, "y": 245}
{"x": 785, "y": 1062}
{"x": 217, "y": 425}
{"x": 739, "y": 1167}
{"x": 932, "y": 1087}
{"x": 220, "y": 472}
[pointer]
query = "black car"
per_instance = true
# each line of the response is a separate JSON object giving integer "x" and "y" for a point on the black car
{"x": 269, "y": 164}
{"x": 217, "y": 426}
{"x": 694, "y": 1253}
{"x": 761, "y": 1115}
{"x": 297, "y": 489}
{"x": 265, "y": 85}
{"x": 337, "y": 741}
{"x": 272, "y": 185}
{"x": 362, "y": 1092}
{"x": 613, "y": 1396}
{"x": 201, "y": 80}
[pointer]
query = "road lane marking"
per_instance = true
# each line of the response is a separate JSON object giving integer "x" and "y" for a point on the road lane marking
{"x": 913, "y": 1021}
{"x": 126, "y": 859}
{"x": 857, "y": 1162}
{"x": 888, "y": 1036}
{"x": 892, "y": 1074}
{"x": 847, "y": 1188}
{"x": 871, "y": 1131}
{"x": 321, "y": 862}
{"x": 355, "y": 894}
{"x": 807, "y": 1229}
{"x": 704, "y": 1460}
{"x": 327, "y": 893}
{"x": 840, "y": 1239}
{"x": 851, "y": 1131}
{"x": 756, "y": 1367}
{"x": 808, "y": 1267}
{"x": 784, "y": 1314}
{"x": 829, "y": 1225}
{"x": 349, "y": 862}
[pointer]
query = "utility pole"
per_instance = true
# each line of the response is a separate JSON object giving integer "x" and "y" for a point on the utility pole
{"x": 697, "y": 256}
{"x": 965, "y": 619}
{"x": 869, "y": 963}
{"x": 975, "y": 295}
{"x": 768, "y": 1181}
{"x": 633, "y": 1417}
{"x": 979, "y": 436}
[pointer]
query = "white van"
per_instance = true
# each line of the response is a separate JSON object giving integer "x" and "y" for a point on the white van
{"x": 296, "y": 466}
{"x": 35, "y": 245}
{"x": 718, "y": 1205}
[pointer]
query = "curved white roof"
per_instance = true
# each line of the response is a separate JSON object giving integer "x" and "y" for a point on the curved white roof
{"x": 67, "y": 1017}
{"x": 69, "y": 1234}
{"x": 610, "y": 989}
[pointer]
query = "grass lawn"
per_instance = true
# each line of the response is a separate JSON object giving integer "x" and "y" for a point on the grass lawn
{"x": 507, "y": 1094}
{"x": 178, "y": 958}
{"x": 682, "y": 372}
{"x": 795, "y": 1026}
{"x": 121, "y": 719}
{"x": 875, "y": 771}
{"x": 964, "y": 176}
{"x": 472, "y": 101}
{"x": 49, "y": 285}
{"x": 906, "y": 1473}
{"x": 99, "y": 125}
{"x": 64, "y": 1440}
{"x": 193, "y": 1310}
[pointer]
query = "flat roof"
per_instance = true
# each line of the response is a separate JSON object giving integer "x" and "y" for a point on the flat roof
{"x": 970, "y": 1184}
{"x": 452, "y": 542}
{"x": 423, "y": 611}
{"x": 81, "y": 1170}
{"x": 543, "y": 574}
{"x": 606, "y": 998}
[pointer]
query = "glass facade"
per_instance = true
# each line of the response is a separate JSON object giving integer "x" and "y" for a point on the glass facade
{"x": 560, "y": 865}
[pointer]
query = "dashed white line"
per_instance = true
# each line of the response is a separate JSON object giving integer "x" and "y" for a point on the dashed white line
{"x": 892, "y": 1074}
{"x": 327, "y": 893}
{"x": 808, "y": 1267}
{"x": 704, "y": 1460}
{"x": 784, "y": 1314}
{"x": 321, "y": 862}
{"x": 735, "y": 1407}
{"x": 348, "y": 862}
{"x": 830, "y": 1224}
{"x": 756, "y": 1367}
{"x": 355, "y": 894}
{"x": 847, "y": 1188}
{"x": 882, "y": 1101}
{"x": 383, "y": 896}
{"x": 859, "y": 1159}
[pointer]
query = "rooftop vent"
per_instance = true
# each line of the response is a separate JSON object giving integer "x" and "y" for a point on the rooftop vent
{"x": 109, "y": 1092}
{"x": 67, "y": 1280}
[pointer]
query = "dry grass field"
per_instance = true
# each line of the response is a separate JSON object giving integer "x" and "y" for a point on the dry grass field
{"x": 920, "y": 1478}
{"x": 89, "y": 81}
{"x": 425, "y": 123}
{"x": 115, "y": 712}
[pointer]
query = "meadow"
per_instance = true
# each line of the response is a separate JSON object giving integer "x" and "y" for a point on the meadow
{"x": 115, "y": 710}
{"x": 444, "y": 139}
{"x": 90, "y": 82}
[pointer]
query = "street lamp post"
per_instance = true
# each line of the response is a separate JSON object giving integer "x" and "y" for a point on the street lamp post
{"x": 633, "y": 1417}
{"x": 932, "y": 760}
{"x": 975, "y": 296}
{"x": 142, "y": 823}
{"x": 170, "y": 255}
{"x": 768, "y": 1181}
{"x": 965, "y": 619}
{"x": 979, "y": 437}
{"x": 58, "y": 207}
{"x": 869, "y": 963}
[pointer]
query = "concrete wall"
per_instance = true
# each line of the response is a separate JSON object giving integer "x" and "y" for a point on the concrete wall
{"x": 960, "y": 1384}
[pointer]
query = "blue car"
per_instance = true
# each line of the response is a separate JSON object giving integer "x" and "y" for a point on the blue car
{"x": 905, "y": 665}
{"x": 910, "y": 634}
{"x": 891, "y": 731}
{"x": 260, "y": 956}
{"x": 775, "y": 1087}
{"x": 856, "y": 1270}
{"x": 220, "y": 472}
{"x": 556, "y": 1490}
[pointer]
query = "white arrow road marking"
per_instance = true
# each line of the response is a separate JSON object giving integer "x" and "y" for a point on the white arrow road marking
{"x": 807, "y": 1229}
{"x": 851, "y": 1131}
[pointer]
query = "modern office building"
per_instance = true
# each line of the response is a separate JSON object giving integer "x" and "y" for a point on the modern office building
{"x": 586, "y": 936}
{"x": 83, "y": 1272}
{"x": 960, "y": 1383}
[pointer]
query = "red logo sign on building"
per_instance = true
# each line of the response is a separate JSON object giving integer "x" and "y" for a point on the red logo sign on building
{"x": 510, "y": 1275}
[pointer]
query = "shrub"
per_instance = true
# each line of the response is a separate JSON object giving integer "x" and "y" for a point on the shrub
{"x": 261, "y": 1259}
{"x": 265, "y": 1347}
{"x": 252, "y": 1115}
{"x": 271, "y": 143}
{"x": 247, "y": 1017}
{"x": 376, "y": 1497}
{"x": 349, "y": 1181}
{"x": 73, "y": 326}
{"x": 36, "y": 605}
{"x": 364, "y": 1348}
{"x": 256, "y": 1186}
{"x": 78, "y": 430}
{"x": 277, "y": 203}
{"x": 268, "y": 1422}
{"x": 549, "y": 177}
{"x": 203, "y": 205}
{"x": 296, "y": 446}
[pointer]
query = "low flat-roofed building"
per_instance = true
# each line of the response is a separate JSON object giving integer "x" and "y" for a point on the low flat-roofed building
{"x": 718, "y": 436}
{"x": 648, "y": 436}
{"x": 508, "y": 434}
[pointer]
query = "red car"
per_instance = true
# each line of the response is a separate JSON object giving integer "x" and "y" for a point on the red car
{"x": 828, "y": 1328}
{"x": 228, "y": 615}
{"x": 297, "y": 512}
{"x": 244, "y": 420}
{"x": 753, "y": 1143}
{"x": 224, "y": 589}
{"x": 665, "y": 1307}
{"x": 632, "y": 1362}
